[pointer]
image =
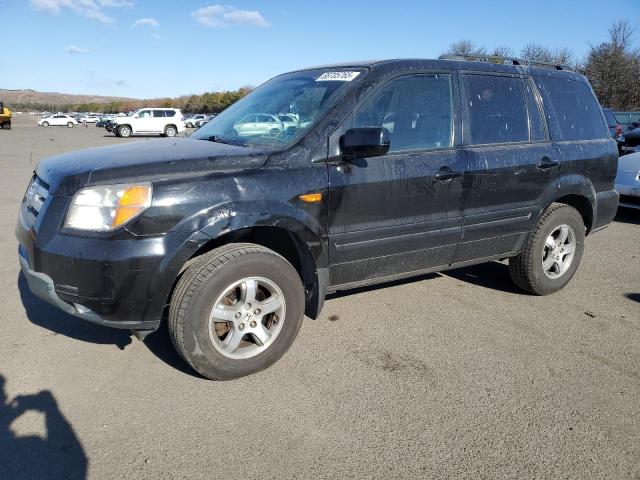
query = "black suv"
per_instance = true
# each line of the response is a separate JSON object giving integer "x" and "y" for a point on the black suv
{"x": 322, "y": 180}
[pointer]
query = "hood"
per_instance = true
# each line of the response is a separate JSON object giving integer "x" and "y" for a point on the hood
{"x": 144, "y": 160}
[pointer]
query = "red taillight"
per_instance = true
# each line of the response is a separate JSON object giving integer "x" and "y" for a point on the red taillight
{"x": 618, "y": 130}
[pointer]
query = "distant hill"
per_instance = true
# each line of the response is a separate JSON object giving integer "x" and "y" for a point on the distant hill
{"x": 24, "y": 97}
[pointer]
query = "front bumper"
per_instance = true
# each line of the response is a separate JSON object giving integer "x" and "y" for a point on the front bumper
{"x": 628, "y": 185}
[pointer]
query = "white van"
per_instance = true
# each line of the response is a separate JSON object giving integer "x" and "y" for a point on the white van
{"x": 148, "y": 121}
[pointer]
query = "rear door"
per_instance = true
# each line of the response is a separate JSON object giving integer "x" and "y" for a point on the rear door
{"x": 159, "y": 121}
{"x": 400, "y": 213}
{"x": 510, "y": 162}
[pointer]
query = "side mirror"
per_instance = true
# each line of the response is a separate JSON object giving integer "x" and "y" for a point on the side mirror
{"x": 364, "y": 142}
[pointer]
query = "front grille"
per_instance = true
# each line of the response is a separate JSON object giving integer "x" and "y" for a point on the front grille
{"x": 34, "y": 199}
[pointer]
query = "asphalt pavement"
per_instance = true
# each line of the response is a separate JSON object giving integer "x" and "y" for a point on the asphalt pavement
{"x": 451, "y": 375}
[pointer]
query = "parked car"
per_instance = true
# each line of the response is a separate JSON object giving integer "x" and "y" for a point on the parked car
{"x": 202, "y": 121}
{"x": 242, "y": 235}
{"x": 91, "y": 118}
{"x": 615, "y": 129}
{"x": 258, "y": 124}
{"x": 163, "y": 121}
{"x": 59, "y": 120}
{"x": 628, "y": 180}
{"x": 193, "y": 120}
{"x": 628, "y": 120}
{"x": 629, "y": 142}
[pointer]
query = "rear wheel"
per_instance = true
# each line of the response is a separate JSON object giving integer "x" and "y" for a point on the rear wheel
{"x": 552, "y": 252}
{"x": 124, "y": 131}
{"x": 170, "y": 131}
{"x": 236, "y": 311}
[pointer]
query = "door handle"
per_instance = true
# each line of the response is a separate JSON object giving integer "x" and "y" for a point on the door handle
{"x": 445, "y": 174}
{"x": 546, "y": 163}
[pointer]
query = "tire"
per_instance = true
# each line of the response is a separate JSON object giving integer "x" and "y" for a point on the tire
{"x": 197, "y": 295}
{"x": 170, "y": 131}
{"x": 124, "y": 131}
{"x": 535, "y": 269}
{"x": 45, "y": 124}
{"x": 189, "y": 125}
{"x": 69, "y": 124}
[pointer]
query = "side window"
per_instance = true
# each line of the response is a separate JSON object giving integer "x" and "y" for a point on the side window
{"x": 573, "y": 113}
{"x": 497, "y": 109}
{"x": 158, "y": 113}
{"x": 536, "y": 122}
{"x": 416, "y": 109}
{"x": 144, "y": 114}
{"x": 169, "y": 113}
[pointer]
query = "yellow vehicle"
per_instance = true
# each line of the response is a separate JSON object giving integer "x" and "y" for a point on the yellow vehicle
{"x": 5, "y": 117}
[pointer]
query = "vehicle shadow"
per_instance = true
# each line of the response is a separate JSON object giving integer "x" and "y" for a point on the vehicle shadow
{"x": 493, "y": 275}
{"x": 58, "y": 455}
{"x": 628, "y": 215}
{"x": 60, "y": 323}
{"x": 633, "y": 296}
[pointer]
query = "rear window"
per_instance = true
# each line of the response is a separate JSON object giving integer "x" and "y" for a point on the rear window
{"x": 610, "y": 117}
{"x": 573, "y": 113}
{"x": 158, "y": 113}
{"x": 497, "y": 109}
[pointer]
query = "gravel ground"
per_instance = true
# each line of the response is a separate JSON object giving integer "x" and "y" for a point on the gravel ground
{"x": 451, "y": 375}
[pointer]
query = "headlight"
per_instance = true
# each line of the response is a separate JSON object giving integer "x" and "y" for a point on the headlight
{"x": 107, "y": 207}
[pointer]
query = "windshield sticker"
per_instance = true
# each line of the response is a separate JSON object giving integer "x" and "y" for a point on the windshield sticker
{"x": 337, "y": 76}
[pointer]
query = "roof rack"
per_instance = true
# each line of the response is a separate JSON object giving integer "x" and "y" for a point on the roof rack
{"x": 501, "y": 60}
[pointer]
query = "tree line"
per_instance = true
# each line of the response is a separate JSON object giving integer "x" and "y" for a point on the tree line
{"x": 208, "y": 102}
{"x": 612, "y": 66}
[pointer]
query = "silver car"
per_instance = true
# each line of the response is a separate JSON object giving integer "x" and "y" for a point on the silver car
{"x": 258, "y": 124}
{"x": 628, "y": 180}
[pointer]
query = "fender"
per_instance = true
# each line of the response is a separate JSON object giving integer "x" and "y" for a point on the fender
{"x": 569, "y": 184}
{"x": 225, "y": 218}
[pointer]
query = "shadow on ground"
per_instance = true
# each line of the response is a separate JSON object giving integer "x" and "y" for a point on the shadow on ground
{"x": 633, "y": 296}
{"x": 57, "y": 455}
{"x": 628, "y": 215}
{"x": 60, "y": 323}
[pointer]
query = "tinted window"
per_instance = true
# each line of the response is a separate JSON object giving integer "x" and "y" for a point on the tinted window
{"x": 416, "y": 109}
{"x": 572, "y": 111}
{"x": 497, "y": 109}
{"x": 169, "y": 113}
{"x": 158, "y": 113}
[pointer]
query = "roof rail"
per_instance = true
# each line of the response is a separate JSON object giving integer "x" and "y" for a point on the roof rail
{"x": 501, "y": 60}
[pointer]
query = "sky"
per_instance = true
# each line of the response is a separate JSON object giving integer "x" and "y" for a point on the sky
{"x": 148, "y": 49}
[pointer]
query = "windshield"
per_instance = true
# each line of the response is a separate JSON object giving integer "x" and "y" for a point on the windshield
{"x": 281, "y": 110}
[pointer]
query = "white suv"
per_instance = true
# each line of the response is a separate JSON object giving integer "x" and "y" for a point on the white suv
{"x": 163, "y": 121}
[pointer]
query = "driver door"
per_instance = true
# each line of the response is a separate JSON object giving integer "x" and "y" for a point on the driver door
{"x": 399, "y": 214}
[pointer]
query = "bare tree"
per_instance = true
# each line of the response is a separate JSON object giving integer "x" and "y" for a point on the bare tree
{"x": 613, "y": 69}
{"x": 466, "y": 47}
{"x": 535, "y": 53}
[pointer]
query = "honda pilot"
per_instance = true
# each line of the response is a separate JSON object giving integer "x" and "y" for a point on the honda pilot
{"x": 391, "y": 169}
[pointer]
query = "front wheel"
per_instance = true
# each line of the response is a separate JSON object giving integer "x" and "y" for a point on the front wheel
{"x": 236, "y": 311}
{"x": 124, "y": 131}
{"x": 45, "y": 124}
{"x": 70, "y": 124}
{"x": 552, "y": 252}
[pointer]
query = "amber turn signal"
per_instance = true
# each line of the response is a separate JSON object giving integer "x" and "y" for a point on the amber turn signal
{"x": 311, "y": 197}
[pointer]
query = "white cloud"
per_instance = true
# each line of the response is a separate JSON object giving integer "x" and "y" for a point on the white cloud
{"x": 151, "y": 22}
{"x": 76, "y": 50}
{"x": 226, "y": 15}
{"x": 92, "y": 9}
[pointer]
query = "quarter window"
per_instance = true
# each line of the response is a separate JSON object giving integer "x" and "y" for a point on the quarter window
{"x": 573, "y": 113}
{"x": 497, "y": 109}
{"x": 417, "y": 111}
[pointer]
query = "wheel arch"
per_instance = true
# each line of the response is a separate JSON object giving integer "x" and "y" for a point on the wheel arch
{"x": 576, "y": 191}
{"x": 287, "y": 236}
